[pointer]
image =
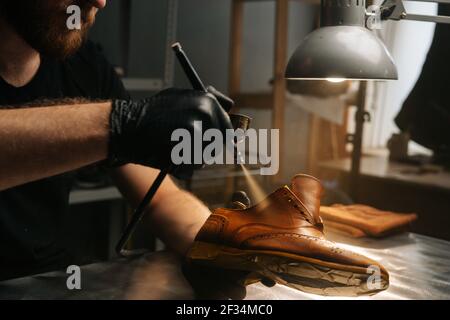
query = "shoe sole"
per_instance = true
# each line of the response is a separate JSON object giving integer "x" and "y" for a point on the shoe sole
{"x": 302, "y": 273}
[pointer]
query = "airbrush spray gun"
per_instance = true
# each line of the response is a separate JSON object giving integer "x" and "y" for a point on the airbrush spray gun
{"x": 238, "y": 121}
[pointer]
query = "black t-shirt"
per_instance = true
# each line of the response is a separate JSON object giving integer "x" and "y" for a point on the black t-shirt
{"x": 32, "y": 215}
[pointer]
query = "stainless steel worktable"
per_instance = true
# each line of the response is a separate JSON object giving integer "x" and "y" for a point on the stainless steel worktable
{"x": 419, "y": 267}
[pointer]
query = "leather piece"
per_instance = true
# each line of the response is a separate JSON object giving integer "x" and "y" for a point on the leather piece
{"x": 343, "y": 229}
{"x": 372, "y": 222}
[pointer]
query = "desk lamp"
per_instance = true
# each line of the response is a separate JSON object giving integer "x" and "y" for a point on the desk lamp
{"x": 343, "y": 48}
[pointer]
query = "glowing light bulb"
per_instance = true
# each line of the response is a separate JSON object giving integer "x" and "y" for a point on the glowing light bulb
{"x": 336, "y": 80}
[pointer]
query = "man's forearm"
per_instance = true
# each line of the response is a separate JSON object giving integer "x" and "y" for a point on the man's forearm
{"x": 176, "y": 216}
{"x": 36, "y": 143}
{"x": 179, "y": 218}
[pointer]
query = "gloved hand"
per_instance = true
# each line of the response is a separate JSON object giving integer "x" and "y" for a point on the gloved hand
{"x": 221, "y": 284}
{"x": 141, "y": 130}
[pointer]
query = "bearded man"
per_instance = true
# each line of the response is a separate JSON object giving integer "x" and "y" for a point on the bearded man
{"x": 43, "y": 139}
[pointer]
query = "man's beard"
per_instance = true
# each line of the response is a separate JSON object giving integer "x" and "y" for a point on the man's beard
{"x": 42, "y": 24}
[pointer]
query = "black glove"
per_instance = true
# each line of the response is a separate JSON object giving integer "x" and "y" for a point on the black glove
{"x": 220, "y": 284}
{"x": 141, "y": 131}
{"x": 215, "y": 283}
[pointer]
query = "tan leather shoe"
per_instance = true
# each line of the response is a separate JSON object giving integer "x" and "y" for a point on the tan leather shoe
{"x": 281, "y": 239}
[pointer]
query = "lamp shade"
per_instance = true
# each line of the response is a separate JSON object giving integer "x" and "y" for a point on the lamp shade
{"x": 343, "y": 48}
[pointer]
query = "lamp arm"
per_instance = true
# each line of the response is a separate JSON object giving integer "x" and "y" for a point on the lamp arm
{"x": 395, "y": 10}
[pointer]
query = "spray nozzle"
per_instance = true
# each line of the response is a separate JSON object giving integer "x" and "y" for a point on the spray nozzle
{"x": 242, "y": 122}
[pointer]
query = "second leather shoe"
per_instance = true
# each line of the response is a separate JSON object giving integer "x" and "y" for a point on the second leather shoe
{"x": 282, "y": 239}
